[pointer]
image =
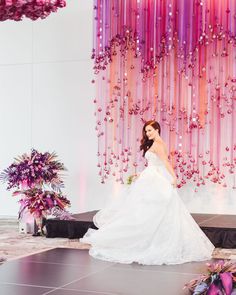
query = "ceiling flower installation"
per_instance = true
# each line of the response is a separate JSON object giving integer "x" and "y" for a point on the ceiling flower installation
{"x": 175, "y": 62}
{"x": 34, "y": 9}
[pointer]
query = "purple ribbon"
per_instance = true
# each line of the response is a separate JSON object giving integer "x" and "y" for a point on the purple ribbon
{"x": 214, "y": 290}
{"x": 227, "y": 282}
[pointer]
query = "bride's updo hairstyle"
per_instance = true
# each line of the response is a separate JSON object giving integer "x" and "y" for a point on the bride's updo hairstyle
{"x": 145, "y": 142}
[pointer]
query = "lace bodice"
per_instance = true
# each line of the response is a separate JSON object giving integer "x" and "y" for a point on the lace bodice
{"x": 153, "y": 159}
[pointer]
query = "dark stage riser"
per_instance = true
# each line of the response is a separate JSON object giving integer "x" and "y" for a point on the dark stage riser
{"x": 221, "y": 237}
{"x": 71, "y": 229}
{"x": 220, "y": 229}
{"x": 67, "y": 229}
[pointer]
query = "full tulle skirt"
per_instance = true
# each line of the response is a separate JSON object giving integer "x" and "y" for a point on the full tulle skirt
{"x": 150, "y": 226}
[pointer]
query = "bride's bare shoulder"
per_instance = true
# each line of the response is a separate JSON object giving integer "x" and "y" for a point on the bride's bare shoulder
{"x": 160, "y": 146}
{"x": 159, "y": 143}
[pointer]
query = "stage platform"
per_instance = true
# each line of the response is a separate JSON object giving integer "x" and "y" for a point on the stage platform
{"x": 220, "y": 229}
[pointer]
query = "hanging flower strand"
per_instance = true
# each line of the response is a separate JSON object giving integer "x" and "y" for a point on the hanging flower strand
{"x": 33, "y": 9}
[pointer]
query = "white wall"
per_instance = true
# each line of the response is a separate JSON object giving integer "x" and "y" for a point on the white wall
{"x": 46, "y": 99}
{"x": 46, "y": 103}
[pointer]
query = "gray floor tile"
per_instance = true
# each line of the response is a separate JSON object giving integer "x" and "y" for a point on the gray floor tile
{"x": 43, "y": 274}
{"x": 76, "y": 292}
{"x": 188, "y": 268}
{"x": 9, "y": 289}
{"x": 66, "y": 256}
{"x": 134, "y": 282}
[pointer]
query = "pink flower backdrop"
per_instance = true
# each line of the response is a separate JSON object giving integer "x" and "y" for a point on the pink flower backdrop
{"x": 173, "y": 61}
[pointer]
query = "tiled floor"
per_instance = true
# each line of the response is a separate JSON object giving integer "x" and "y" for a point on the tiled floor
{"x": 63, "y": 271}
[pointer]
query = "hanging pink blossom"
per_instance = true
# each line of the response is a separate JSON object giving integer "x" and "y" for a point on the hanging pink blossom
{"x": 34, "y": 9}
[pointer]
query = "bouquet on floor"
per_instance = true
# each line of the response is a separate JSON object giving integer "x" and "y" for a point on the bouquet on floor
{"x": 220, "y": 279}
{"x": 38, "y": 180}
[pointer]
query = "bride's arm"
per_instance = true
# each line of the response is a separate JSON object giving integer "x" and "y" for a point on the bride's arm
{"x": 161, "y": 151}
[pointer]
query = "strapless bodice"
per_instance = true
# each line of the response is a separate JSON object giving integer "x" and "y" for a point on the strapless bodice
{"x": 153, "y": 159}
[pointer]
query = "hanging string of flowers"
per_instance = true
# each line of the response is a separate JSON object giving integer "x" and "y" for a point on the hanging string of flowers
{"x": 33, "y": 9}
{"x": 173, "y": 62}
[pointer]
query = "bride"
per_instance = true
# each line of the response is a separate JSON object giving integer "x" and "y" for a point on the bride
{"x": 151, "y": 226}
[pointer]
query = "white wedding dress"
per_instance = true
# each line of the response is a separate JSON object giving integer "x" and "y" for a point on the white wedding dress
{"x": 151, "y": 226}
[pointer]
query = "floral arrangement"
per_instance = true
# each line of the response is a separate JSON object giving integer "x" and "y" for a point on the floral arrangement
{"x": 33, "y": 9}
{"x": 41, "y": 202}
{"x": 33, "y": 170}
{"x": 37, "y": 178}
{"x": 220, "y": 279}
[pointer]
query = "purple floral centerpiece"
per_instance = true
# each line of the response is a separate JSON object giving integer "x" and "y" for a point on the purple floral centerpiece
{"x": 35, "y": 169}
{"x": 36, "y": 177}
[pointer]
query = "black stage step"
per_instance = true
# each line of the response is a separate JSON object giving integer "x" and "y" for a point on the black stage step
{"x": 220, "y": 229}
